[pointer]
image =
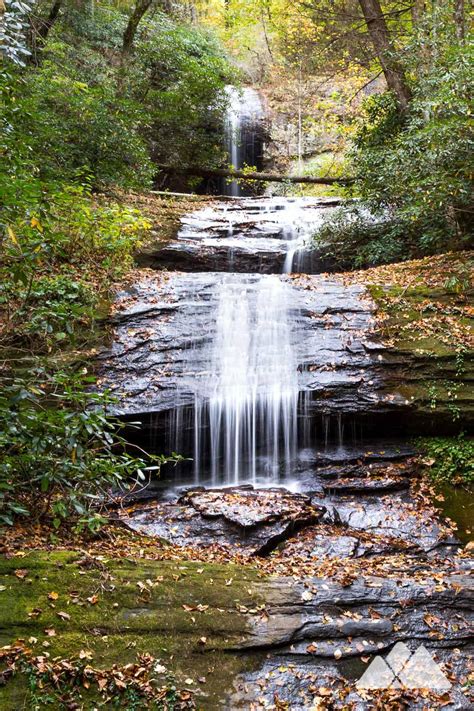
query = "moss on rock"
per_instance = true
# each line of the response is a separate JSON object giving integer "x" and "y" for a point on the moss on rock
{"x": 185, "y": 614}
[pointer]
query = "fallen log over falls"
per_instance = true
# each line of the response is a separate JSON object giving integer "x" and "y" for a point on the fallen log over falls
{"x": 263, "y": 177}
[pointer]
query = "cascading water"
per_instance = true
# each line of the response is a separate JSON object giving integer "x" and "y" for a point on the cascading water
{"x": 242, "y": 133}
{"x": 246, "y": 403}
{"x": 243, "y": 370}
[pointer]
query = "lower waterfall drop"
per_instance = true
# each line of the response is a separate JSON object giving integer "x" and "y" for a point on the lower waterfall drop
{"x": 247, "y": 402}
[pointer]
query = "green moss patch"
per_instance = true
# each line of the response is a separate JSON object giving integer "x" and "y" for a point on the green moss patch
{"x": 187, "y": 615}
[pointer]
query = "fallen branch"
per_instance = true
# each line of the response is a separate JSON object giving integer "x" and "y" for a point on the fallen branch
{"x": 264, "y": 177}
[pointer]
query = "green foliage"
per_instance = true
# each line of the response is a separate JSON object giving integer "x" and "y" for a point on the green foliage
{"x": 59, "y": 255}
{"x": 77, "y": 118}
{"x": 61, "y": 451}
{"x": 353, "y": 237}
{"x": 449, "y": 459}
{"x": 13, "y": 30}
{"x": 84, "y": 111}
{"x": 61, "y": 127}
{"x": 181, "y": 72}
{"x": 414, "y": 171}
{"x": 54, "y": 308}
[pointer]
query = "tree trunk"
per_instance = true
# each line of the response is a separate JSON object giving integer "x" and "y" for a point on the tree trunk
{"x": 459, "y": 19}
{"x": 47, "y": 24}
{"x": 141, "y": 8}
{"x": 381, "y": 40}
{"x": 417, "y": 11}
{"x": 39, "y": 30}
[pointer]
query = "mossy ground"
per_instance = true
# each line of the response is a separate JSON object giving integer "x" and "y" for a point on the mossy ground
{"x": 425, "y": 314}
{"x": 163, "y": 212}
{"x": 118, "y": 608}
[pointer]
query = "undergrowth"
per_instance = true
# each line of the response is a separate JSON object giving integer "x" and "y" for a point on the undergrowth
{"x": 449, "y": 459}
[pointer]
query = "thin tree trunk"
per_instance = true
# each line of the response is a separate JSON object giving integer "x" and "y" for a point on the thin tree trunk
{"x": 417, "y": 11}
{"x": 45, "y": 27}
{"x": 381, "y": 40}
{"x": 39, "y": 31}
{"x": 300, "y": 119}
{"x": 134, "y": 20}
{"x": 459, "y": 19}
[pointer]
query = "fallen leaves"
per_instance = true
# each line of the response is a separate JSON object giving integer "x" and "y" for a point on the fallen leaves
{"x": 35, "y": 612}
{"x": 64, "y": 615}
{"x": 55, "y": 675}
{"x": 195, "y": 608}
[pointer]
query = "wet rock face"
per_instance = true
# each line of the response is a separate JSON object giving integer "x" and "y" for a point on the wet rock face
{"x": 360, "y": 571}
{"x": 316, "y": 669}
{"x": 340, "y": 512}
{"x": 359, "y": 557}
{"x": 251, "y": 521}
{"x": 376, "y": 610}
{"x": 246, "y": 236}
{"x": 164, "y": 330}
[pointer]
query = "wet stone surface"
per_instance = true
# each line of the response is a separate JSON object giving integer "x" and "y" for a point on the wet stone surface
{"x": 246, "y": 235}
{"x": 360, "y": 510}
{"x": 164, "y": 327}
{"x": 374, "y": 570}
{"x": 251, "y": 521}
{"x": 352, "y": 555}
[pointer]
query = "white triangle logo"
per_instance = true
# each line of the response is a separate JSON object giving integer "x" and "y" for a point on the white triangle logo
{"x": 401, "y": 668}
{"x": 378, "y": 675}
{"x": 422, "y": 672}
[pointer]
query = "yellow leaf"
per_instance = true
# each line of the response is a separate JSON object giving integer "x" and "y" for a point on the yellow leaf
{"x": 12, "y": 235}
{"x": 36, "y": 223}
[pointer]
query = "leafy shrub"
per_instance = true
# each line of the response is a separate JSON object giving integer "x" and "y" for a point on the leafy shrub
{"x": 83, "y": 112}
{"x": 414, "y": 172}
{"x": 77, "y": 119}
{"x": 59, "y": 258}
{"x": 449, "y": 459}
{"x": 14, "y": 29}
{"x": 62, "y": 126}
{"x": 186, "y": 73}
{"x": 56, "y": 306}
{"x": 61, "y": 451}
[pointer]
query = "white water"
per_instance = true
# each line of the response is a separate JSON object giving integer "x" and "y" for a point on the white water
{"x": 246, "y": 405}
{"x": 244, "y": 114}
{"x": 258, "y": 225}
{"x": 244, "y": 369}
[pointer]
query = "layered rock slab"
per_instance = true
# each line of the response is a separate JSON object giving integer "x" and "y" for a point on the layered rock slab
{"x": 157, "y": 357}
{"x": 249, "y": 520}
{"x": 245, "y": 235}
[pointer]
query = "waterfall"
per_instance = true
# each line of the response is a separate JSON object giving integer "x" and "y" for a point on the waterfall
{"x": 243, "y": 133}
{"x": 246, "y": 404}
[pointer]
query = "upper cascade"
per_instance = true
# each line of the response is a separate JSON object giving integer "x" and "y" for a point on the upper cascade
{"x": 243, "y": 134}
